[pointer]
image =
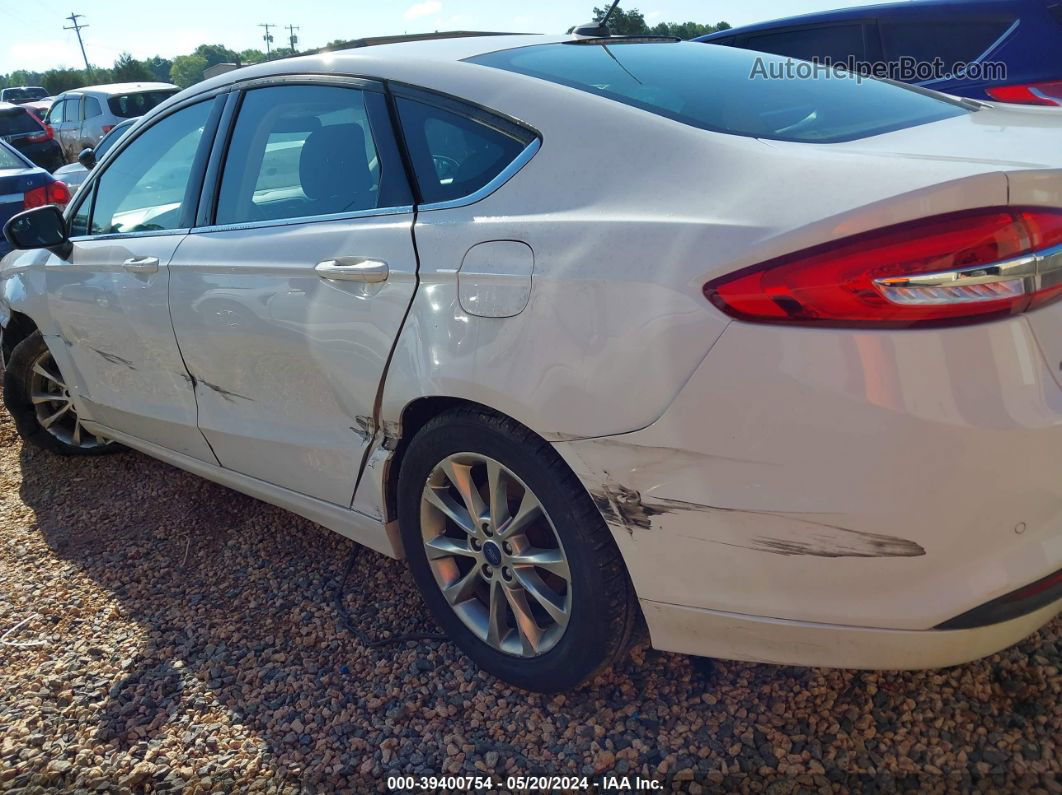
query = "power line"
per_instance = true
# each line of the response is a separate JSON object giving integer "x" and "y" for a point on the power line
{"x": 267, "y": 37}
{"x": 77, "y": 29}
{"x": 293, "y": 40}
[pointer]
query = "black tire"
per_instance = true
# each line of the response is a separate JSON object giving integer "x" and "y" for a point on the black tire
{"x": 17, "y": 391}
{"x": 604, "y": 612}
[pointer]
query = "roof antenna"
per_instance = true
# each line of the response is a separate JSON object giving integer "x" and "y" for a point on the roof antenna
{"x": 597, "y": 29}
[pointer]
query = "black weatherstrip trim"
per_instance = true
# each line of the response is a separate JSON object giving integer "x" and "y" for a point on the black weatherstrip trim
{"x": 208, "y": 196}
{"x": 1015, "y": 604}
{"x": 403, "y": 148}
{"x": 199, "y": 165}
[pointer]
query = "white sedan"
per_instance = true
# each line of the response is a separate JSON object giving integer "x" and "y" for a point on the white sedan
{"x": 592, "y": 331}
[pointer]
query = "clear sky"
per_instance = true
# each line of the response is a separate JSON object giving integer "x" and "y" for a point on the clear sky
{"x": 32, "y": 35}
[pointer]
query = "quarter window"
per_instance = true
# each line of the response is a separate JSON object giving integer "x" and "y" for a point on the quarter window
{"x": 954, "y": 42}
{"x": 454, "y": 155}
{"x": 836, "y": 42}
{"x": 300, "y": 151}
{"x": 144, "y": 188}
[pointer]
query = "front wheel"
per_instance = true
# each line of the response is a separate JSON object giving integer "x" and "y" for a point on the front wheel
{"x": 38, "y": 399}
{"x": 510, "y": 553}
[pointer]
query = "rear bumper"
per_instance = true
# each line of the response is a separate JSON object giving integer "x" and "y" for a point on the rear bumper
{"x": 831, "y": 480}
{"x": 731, "y": 636}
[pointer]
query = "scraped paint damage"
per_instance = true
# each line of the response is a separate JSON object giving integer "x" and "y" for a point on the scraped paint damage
{"x": 223, "y": 392}
{"x": 113, "y": 358}
{"x": 625, "y": 507}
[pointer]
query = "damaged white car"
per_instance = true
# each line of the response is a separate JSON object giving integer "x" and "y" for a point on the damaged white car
{"x": 593, "y": 331}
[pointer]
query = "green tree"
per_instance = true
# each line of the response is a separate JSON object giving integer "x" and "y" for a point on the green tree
{"x": 160, "y": 68}
{"x": 623, "y": 23}
{"x": 187, "y": 69}
{"x": 128, "y": 69}
{"x": 247, "y": 57}
{"x": 214, "y": 54}
{"x": 632, "y": 23}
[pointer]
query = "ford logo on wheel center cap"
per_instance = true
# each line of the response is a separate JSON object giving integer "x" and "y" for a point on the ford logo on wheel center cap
{"x": 492, "y": 553}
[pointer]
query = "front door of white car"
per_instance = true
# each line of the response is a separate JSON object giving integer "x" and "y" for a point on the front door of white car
{"x": 108, "y": 298}
{"x": 286, "y": 304}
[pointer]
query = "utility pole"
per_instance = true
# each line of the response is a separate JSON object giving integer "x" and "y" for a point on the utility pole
{"x": 267, "y": 37}
{"x": 77, "y": 29}
{"x": 293, "y": 40}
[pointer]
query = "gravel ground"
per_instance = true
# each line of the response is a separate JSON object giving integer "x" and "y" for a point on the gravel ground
{"x": 187, "y": 639}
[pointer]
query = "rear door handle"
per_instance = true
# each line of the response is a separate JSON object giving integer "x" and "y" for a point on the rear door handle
{"x": 353, "y": 269}
{"x": 142, "y": 264}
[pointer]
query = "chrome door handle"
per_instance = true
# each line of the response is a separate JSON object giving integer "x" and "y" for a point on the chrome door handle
{"x": 141, "y": 264}
{"x": 353, "y": 269}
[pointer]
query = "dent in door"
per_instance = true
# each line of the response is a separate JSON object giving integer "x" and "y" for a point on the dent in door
{"x": 495, "y": 278}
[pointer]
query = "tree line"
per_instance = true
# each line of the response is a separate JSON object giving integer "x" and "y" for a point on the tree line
{"x": 184, "y": 70}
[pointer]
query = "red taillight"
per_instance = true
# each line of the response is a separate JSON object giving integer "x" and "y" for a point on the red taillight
{"x": 1032, "y": 94}
{"x": 46, "y": 134}
{"x": 107, "y": 128}
{"x": 54, "y": 193}
{"x": 949, "y": 268}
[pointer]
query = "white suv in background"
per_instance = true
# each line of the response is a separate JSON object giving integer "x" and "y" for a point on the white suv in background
{"x": 81, "y": 118}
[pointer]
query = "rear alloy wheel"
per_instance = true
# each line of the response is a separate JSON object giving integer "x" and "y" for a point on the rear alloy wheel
{"x": 38, "y": 398}
{"x": 510, "y": 553}
{"x": 496, "y": 555}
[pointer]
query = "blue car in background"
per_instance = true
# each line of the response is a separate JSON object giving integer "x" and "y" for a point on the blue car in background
{"x": 1024, "y": 37}
{"x": 24, "y": 186}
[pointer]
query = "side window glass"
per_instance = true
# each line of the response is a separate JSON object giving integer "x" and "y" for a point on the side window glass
{"x": 954, "y": 42}
{"x": 55, "y": 112}
{"x": 836, "y": 42}
{"x": 72, "y": 109}
{"x": 300, "y": 151}
{"x": 79, "y": 221}
{"x": 453, "y": 155}
{"x": 92, "y": 107}
{"x": 143, "y": 189}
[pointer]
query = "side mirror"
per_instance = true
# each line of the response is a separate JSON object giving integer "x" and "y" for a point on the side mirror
{"x": 87, "y": 158}
{"x": 41, "y": 227}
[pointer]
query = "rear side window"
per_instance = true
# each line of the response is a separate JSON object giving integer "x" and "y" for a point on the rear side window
{"x": 16, "y": 121}
{"x": 836, "y": 42}
{"x": 92, "y": 108}
{"x": 729, "y": 90}
{"x": 301, "y": 151}
{"x": 8, "y": 160}
{"x": 453, "y": 154}
{"x": 126, "y": 106}
{"x": 953, "y": 41}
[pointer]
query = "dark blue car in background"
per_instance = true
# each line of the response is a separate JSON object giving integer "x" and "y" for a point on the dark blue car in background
{"x": 1024, "y": 36}
{"x": 24, "y": 186}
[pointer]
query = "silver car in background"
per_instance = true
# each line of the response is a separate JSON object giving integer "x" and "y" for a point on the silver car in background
{"x": 81, "y": 118}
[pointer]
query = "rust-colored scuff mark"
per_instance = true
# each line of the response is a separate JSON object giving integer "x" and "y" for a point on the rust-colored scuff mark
{"x": 392, "y": 433}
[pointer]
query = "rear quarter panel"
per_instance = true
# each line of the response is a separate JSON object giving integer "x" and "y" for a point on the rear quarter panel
{"x": 628, "y": 214}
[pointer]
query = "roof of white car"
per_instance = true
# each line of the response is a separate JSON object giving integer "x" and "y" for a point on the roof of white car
{"x": 122, "y": 88}
{"x": 452, "y": 49}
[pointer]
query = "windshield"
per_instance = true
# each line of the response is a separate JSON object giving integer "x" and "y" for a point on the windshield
{"x": 22, "y": 94}
{"x": 127, "y": 106}
{"x": 730, "y": 90}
